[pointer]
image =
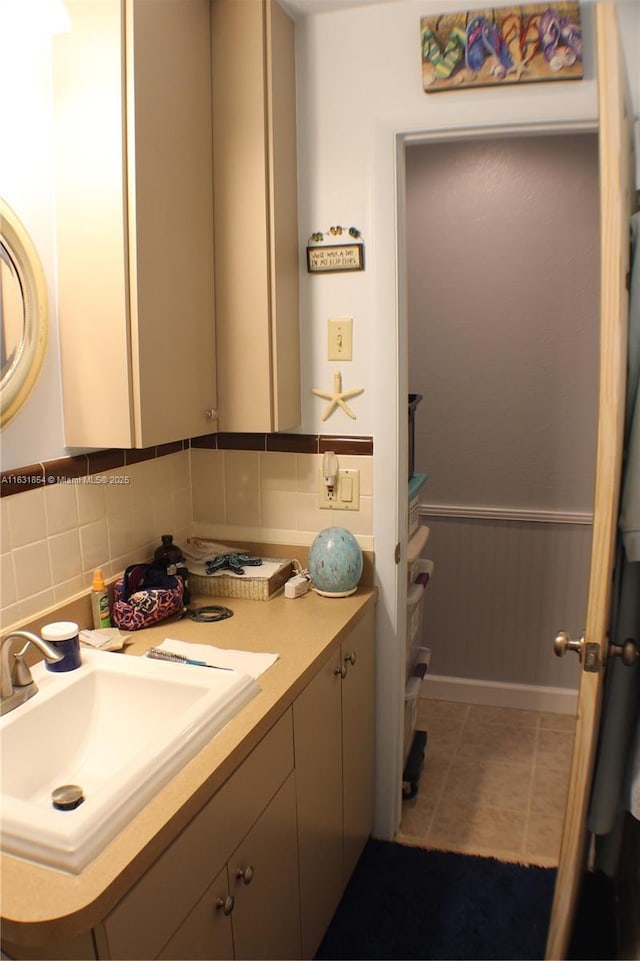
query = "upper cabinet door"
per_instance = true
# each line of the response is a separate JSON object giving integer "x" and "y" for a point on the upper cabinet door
{"x": 256, "y": 219}
{"x": 134, "y": 209}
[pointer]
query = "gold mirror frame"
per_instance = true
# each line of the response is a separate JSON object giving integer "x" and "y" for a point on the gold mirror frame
{"x": 21, "y": 373}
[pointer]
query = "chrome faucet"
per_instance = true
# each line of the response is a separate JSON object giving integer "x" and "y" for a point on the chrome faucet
{"x": 17, "y": 684}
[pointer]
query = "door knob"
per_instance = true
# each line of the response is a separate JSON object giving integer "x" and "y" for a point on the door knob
{"x": 226, "y": 905}
{"x": 627, "y": 652}
{"x": 563, "y": 643}
{"x": 246, "y": 874}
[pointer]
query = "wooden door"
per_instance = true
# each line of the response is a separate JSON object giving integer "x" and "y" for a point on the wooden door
{"x": 317, "y": 731}
{"x": 206, "y": 932}
{"x": 358, "y": 739}
{"x": 263, "y": 880}
{"x": 615, "y": 208}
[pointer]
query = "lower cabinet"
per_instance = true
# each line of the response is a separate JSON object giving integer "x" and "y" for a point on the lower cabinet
{"x": 334, "y": 738}
{"x": 260, "y": 870}
{"x": 251, "y": 817}
{"x": 81, "y": 948}
{"x": 251, "y": 909}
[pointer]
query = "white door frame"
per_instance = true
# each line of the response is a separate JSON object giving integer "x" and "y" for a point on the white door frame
{"x": 391, "y": 418}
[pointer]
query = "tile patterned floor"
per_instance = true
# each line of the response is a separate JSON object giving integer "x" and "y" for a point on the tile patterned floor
{"x": 494, "y": 782}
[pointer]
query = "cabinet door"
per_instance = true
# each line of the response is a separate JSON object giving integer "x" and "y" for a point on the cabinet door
{"x": 170, "y": 208}
{"x": 81, "y": 948}
{"x": 134, "y": 213}
{"x": 358, "y": 739}
{"x": 255, "y": 216}
{"x": 206, "y": 933}
{"x": 318, "y": 752}
{"x": 153, "y": 910}
{"x": 263, "y": 880}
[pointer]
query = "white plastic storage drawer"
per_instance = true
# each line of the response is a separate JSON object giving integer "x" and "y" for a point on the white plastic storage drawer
{"x": 414, "y": 549}
{"x": 411, "y": 694}
{"x": 423, "y": 571}
{"x": 416, "y": 484}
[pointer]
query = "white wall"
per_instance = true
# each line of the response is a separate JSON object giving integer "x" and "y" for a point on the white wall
{"x": 359, "y": 90}
{"x": 503, "y": 278}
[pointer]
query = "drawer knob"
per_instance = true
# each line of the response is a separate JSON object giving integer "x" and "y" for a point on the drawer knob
{"x": 246, "y": 874}
{"x": 226, "y": 905}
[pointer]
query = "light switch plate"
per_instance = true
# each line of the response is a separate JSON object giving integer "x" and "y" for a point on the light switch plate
{"x": 340, "y": 338}
{"x": 346, "y": 493}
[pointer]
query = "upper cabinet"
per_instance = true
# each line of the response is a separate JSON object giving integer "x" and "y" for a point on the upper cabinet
{"x": 256, "y": 222}
{"x": 134, "y": 210}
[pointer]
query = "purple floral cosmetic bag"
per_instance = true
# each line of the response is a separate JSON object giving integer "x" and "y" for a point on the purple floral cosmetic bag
{"x": 145, "y": 595}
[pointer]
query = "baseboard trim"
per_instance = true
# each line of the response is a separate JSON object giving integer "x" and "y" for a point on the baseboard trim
{"x": 527, "y": 697}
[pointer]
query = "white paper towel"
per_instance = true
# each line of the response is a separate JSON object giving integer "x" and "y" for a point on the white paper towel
{"x": 247, "y": 662}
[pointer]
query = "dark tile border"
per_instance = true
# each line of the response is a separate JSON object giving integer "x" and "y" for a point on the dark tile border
{"x": 286, "y": 443}
{"x": 138, "y": 456}
{"x": 64, "y": 467}
{"x": 232, "y": 441}
{"x": 22, "y": 479}
{"x": 293, "y": 443}
{"x": 101, "y": 460}
{"x": 346, "y": 445}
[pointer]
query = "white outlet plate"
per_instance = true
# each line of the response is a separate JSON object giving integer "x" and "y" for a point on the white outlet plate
{"x": 340, "y": 338}
{"x": 346, "y": 494}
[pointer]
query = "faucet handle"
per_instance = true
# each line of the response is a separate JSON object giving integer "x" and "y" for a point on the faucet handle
{"x": 21, "y": 675}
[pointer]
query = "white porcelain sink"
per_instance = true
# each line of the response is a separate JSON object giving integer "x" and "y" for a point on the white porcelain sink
{"x": 119, "y": 727}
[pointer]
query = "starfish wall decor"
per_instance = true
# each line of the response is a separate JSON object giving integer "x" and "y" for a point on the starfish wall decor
{"x": 338, "y": 398}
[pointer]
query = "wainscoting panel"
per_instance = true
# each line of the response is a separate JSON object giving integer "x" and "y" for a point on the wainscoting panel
{"x": 501, "y": 590}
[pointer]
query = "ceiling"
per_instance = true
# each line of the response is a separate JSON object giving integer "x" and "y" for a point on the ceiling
{"x": 303, "y": 8}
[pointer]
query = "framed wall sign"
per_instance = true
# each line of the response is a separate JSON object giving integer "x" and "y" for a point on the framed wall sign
{"x": 335, "y": 257}
{"x": 325, "y": 256}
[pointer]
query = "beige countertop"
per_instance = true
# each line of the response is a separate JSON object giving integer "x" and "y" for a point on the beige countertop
{"x": 39, "y": 904}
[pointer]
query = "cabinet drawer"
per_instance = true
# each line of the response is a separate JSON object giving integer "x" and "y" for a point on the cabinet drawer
{"x": 146, "y": 918}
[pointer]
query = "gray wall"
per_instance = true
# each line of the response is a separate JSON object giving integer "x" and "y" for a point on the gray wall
{"x": 503, "y": 286}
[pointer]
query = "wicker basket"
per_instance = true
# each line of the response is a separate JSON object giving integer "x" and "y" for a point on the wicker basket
{"x": 261, "y": 584}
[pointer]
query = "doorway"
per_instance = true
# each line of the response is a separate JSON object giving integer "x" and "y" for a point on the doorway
{"x": 502, "y": 256}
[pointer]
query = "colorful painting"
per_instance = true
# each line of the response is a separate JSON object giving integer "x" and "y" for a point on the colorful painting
{"x": 502, "y": 45}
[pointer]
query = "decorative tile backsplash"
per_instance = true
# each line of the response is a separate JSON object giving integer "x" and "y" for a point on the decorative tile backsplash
{"x": 108, "y": 509}
{"x": 53, "y": 536}
{"x": 236, "y": 493}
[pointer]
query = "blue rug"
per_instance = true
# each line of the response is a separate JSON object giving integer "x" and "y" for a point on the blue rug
{"x": 407, "y": 903}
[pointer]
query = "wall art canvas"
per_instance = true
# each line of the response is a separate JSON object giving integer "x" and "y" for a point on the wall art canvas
{"x": 502, "y": 45}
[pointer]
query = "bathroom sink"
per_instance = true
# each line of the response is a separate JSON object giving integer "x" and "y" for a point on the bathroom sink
{"x": 119, "y": 727}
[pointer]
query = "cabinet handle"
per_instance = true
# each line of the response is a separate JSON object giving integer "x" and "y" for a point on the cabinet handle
{"x": 226, "y": 905}
{"x": 350, "y": 659}
{"x": 246, "y": 874}
{"x": 211, "y": 413}
{"x": 341, "y": 671}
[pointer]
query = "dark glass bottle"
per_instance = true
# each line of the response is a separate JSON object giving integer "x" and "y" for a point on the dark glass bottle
{"x": 170, "y": 558}
{"x": 168, "y": 555}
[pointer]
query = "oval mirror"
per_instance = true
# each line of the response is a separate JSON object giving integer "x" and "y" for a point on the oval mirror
{"x": 23, "y": 314}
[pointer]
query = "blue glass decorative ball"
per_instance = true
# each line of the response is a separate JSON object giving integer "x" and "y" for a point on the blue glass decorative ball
{"x": 335, "y": 562}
